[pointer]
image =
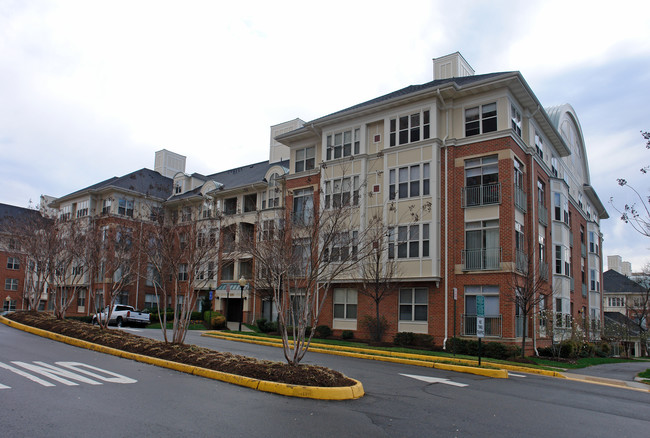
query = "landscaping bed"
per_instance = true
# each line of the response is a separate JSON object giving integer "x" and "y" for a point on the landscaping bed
{"x": 306, "y": 375}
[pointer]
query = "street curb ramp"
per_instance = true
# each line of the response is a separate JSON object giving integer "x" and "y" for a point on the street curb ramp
{"x": 314, "y": 392}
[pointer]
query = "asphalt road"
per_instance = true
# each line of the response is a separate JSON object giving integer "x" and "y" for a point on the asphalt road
{"x": 134, "y": 399}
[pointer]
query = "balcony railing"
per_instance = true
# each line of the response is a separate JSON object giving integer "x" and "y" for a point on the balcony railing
{"x": 492, "y": 325}
{"x": 520, "y": 199}
{"x": 481, "y": 259}
{"x": 486, "y": 194}
{"x": 542, "y": 214}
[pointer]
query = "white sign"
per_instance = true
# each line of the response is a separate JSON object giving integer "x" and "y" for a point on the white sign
{"x": 480, "y": 326}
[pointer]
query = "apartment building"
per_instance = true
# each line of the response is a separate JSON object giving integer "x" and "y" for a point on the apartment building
{"x": 475, "y": 181}
{"x": 495, "y": 179}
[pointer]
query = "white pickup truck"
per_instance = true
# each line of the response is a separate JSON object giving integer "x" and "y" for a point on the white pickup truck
{"x": 122, "y": 315}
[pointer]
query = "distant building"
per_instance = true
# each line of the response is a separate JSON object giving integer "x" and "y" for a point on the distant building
{"x": 616, "y": 263}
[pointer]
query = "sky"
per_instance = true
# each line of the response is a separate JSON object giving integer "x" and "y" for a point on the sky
{"x": 91, "y": 89}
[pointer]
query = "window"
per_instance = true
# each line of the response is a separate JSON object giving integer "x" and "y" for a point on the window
{"x": 156, "y": 214}
{"x": 616, "y": 301}
{"x": 305, "y": 159}
{"x": 246, "y": 269}
{"x": 481, "y": 119}
{"x": 562, "y": 260}
{"x": 482, "y": 181}
{"x": 268, "y": 230}
{"x": 410, "y": 181}
{"x": 150, "y": 301}
{"x": 482, "y": 249}
{"x": 541, "y": 193}
{"x": 561, "y": 208}
{"x": 182, "y": 272}
{"x": 300, "y": 257}
{"x": 66, "y": 213}
{"x": 343, "y": 144}
{"x": 78, "y": 270}
{"x": 345, "y": 303}
{"x": 344, "y": 247}
{"x": 125, "y": 208}
{"x": 593, "y": 242}
{"x": 273, "y": 193}
{"x": 410, "y": 128}
{"x": 106, "y": 206}
{"x": 11, "y": 284}
{"x": 518, "y": 174}
{"x": 250, "y": 202}
{"x": 554, "y": 166}
{"x": 541, "y": 240}
{"x": 228, "y": 271}
{"x": 594, "y": 283}
{"x": 82, "y": 209}
{"x": 303, "y": 206}
{"x": 413, "y": 304}
{"x": 81, "y": 298}
{"x": 186, "y": 214}
{"x": 408, "y": 239}
{"x": 342, "y": 191}
{"x": 9, "y": 306}
{"x": 178, "y": 187}
{"x": 515, "y": 119}
{"x": 491, "y": 300}
{"x": 539, "y": 145}
{"x": 519, "y": 237}
{"x": 13, "y": 263}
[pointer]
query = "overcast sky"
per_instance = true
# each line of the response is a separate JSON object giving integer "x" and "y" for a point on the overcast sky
{"x": 91, "y": 89}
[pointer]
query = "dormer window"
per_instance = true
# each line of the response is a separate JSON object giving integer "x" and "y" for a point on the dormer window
{"x": 178, "y": 187}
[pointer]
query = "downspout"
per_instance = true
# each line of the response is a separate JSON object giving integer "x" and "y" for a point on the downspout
{"x": 534, "y": 221}
{"x": 444, "y": 145}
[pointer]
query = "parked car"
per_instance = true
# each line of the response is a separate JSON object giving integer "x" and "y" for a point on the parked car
{"x": 122, "y": 315}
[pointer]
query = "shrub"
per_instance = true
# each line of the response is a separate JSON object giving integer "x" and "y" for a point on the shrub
{"x": 545, "y": 351}
{"x": 569, "y": 349}
{"x": 423, "y": 340}
{"x": 587, "y": 349}
{"x": 196, "y": 316}
{"x": 322, "y": 331}
{"x": 217, "y": 321}
{"x": 347, "y": 334}
{"x": 604, "y": 349}
{"x": 494, "y": 350}
{"x": 404, "y": 339}
{"x": 370, "y": 324}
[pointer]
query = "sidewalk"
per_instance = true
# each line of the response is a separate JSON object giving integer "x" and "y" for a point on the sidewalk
{"x": 234, "y": 326}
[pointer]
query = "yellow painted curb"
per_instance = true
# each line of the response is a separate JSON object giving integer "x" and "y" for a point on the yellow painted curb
{"x": 402, "y": 358}
{"x": 315, "y": 392}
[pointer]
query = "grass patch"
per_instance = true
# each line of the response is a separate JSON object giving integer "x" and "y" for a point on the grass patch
{"x": 582, "y": 362}
{"x": 645, "y": 374}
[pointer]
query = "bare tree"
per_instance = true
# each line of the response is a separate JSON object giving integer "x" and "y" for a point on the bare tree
{"x": 528, "y": 286}
{"x": 110, "y": 253}
{"x": 300, "y": 261}
{"x": 179, "y": 255}
{"x": 378, "y": 272}
{"x": 637, "y": 213}
{"x": 33, "y": 240}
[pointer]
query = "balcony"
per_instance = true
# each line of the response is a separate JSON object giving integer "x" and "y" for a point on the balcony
{"x": 492, "y": 325}
{"x": 542, "y": 214}
{"x": 481, "y": 259}
{"x": 476, "y": 196}
{"x": 520, "y": 199}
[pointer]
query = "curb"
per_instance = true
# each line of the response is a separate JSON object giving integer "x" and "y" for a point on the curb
{"x": 402, "y": 358}
{"x": 604, "y": 382}
{"x": 314, "y": 392}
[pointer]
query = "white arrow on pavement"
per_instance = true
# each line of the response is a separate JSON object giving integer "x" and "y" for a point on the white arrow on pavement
{"x": 434, "y": 380}
{"x": 515, "y": 375}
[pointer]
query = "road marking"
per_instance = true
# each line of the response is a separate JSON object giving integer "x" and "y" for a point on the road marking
{"x": 24, "y": 374}
{"x": 515, "y": 375}
{"x": 64, "y": 376}
{"x": 429, "y": 379}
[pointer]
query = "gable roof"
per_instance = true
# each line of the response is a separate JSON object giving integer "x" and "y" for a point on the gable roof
{"x": 144, "y": 181}
{"x": 10, "y": 213}
{"x": 614, "y": 281}
{"x": 622, "y": 320}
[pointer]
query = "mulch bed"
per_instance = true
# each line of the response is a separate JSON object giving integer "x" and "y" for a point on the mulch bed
{"x": 306, "y": 375}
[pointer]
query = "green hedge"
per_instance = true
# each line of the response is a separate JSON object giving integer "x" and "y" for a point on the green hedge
{"x": 408, "y": 339}
{"x": 494, "y": 350}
